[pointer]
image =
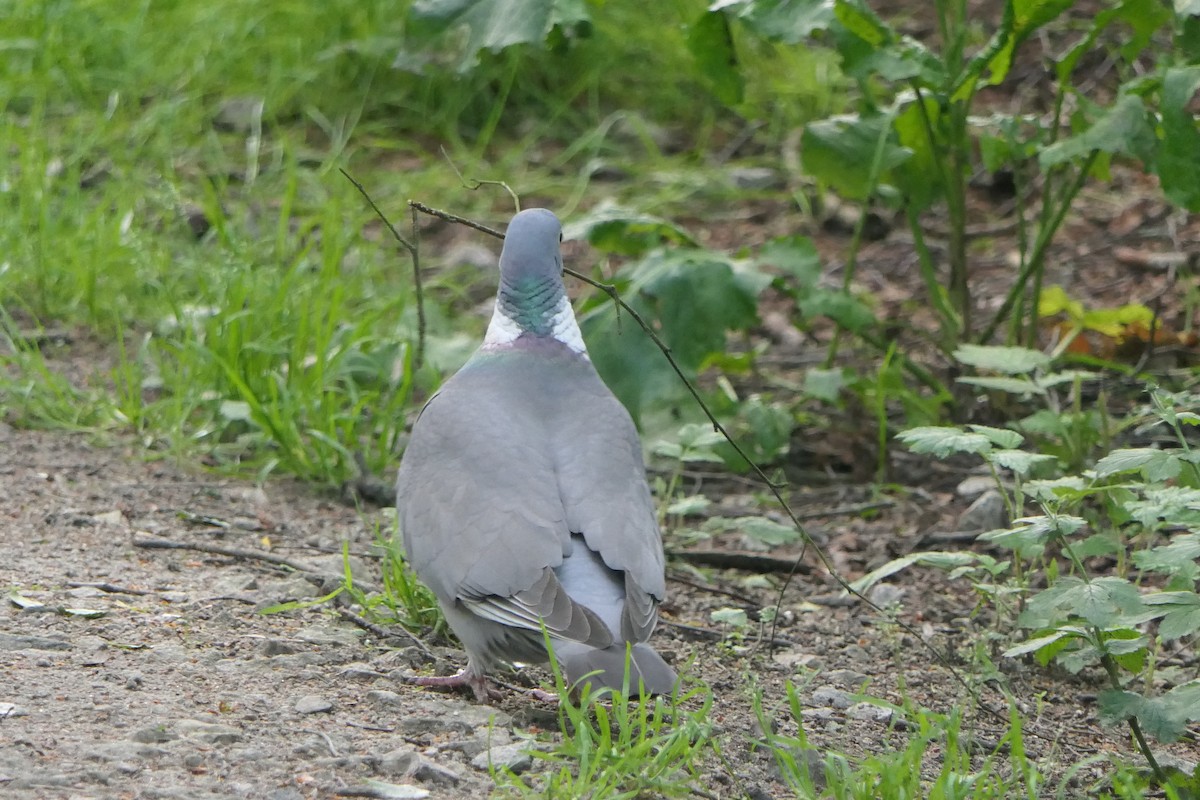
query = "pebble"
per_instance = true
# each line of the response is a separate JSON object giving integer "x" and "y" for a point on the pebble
{"x": 209, "y": 732}
{"x": 12, "y": 710}
{"x": 313, "y": 704}
{"x": 869, "y": 712}
{"x": 987, "y": 513}
{"x": 886, "y": 594}
{"x": 829, "y": 696}
{"x": 513, "y": 757}
{"x": 451, "y": 716}
{"x": 154, "y": 734}
{"x": 12, "y": 641}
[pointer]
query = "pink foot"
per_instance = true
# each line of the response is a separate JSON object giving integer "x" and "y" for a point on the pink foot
{"x": 478, "y": 683}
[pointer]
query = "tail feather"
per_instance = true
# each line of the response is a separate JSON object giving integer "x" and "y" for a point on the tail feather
{"x": 605, "y": 668}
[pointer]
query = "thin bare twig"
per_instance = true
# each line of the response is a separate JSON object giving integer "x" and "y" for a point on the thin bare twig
{"x": 111, "y": 588}
{"x": 471, "y": 184}
{"x": 155, "y": 543}
{"x": 411, "y": 247}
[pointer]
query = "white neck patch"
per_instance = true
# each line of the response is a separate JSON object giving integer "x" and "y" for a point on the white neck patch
{"x": 503, "y": 329}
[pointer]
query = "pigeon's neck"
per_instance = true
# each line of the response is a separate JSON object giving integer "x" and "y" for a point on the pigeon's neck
{"x": 533, "y": 307}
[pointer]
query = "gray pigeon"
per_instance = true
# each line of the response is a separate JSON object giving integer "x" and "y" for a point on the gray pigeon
{"x": 522, "y": 495}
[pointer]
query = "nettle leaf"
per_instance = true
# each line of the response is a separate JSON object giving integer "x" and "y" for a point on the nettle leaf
{"x": 1161, "y": 717}
{"x": 843, "y": 308}
{"x": 763, "y": 529}
{"x": 1171, "y": 505}
{"x": 1019, "y": 386}
{"x": 824, "y": 384}
{"x": 841, "y": 152}
{"x": 944, "y": 441}
{"x": 1186, "y": 696}
{"x": 1050, "y": 644}
{"x": 787, "y": 21}
{"x": 453, "y": 33}
{"x": 1018, "y": 461}
{"x": 623, "y": 231}
{"x": 1178, "y": 164}
{"x": 998, "y": 358}
{"x": 1029, "y": 535}
{"x": 1180, "y": 613}
{"x": 1122, "y": 129}
{"x": 711, "y": 44}
{"x": 1103, "y": 602}
{"x": 734, "y": 617}
{"x": 796, "y": 256}
{"x": 1155, "y": 464}
{"x": 1001, "y": 437}
{"x": 1180, "y": 556}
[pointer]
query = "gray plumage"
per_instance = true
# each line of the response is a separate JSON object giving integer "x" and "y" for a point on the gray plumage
{"x": 522, "y": 494}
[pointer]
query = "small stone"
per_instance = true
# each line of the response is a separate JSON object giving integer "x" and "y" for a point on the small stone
{"x": 886, "y": 594}
{"x": 829, "y": 696}
{"x": 115, "y": 518}
{"x": 402, "y": 762}
{"x": 453, "y": 717}
{"x": 360, "y": 672}
{"x": 329, "y": 635}
{"x": 277, "y": 647}
{"x": 154, "y": 734}
{"x": 12, "y": 710}
{"x": 513, "y": 757}
{"x": 385, "y": 698}
{"x": 123, "y": 751}
{"x": 974, "y": 485}
{"x": 869, "y": 712}
{"x": 313, "y": 704}
{"x": 756, "y": 178}
{"x": 11, "y": 641}
{"x": 209, "y": 732}
{"x": 987, "y": 513}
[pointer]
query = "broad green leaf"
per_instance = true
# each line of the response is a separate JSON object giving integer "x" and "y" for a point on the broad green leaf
{"x": 1024, "y": 17}
{"x": 796, "y": 256}
{"x": 711, "y": 44}
{"x": 1187, "y": 697}
{"x": 997, "y": 358}
{"x": 787, "y": 21}
{"x": 1000, "y": 437}
{"x": 1180, "y": 556}
{"x": 1142, "y": 18}
{"x": 1042, "y": 642}
{"x": 452, "y": 33}
{"x": 841, "y": 152}
{"x": 730, "y": 616}
{"x": 693, "y": 296}
{"x": 689, "y": 506}
{"x": 1122, "y": 129}
{"x": 1019, "y": 461}
{"x": 1179, "y": 155}
{"x": 824, "y": 384}
{"x": 942, "y": 442}
{"x": 933, "y": 558}
{"x": 1169, "y": 505}
{"x": 843, "y": 308}
{"x": 1182, "y": 613}
{"x": 1019, "y": 386}
{"x": 1154, "y": 463}
{"x": 615, "y": 229}
{"x": 1102, "y": 602}
{"x": 768, "y": 531}
{"x": 920, "y": 177}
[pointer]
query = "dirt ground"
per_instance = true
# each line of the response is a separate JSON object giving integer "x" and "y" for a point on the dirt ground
{"x": 143, "y": 672}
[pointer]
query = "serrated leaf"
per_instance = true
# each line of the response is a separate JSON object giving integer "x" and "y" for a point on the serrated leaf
{"x": 1147, "y": 459}
{"x": 1122, "y": 129}
{"x": 843, "y": 308}
{"x": 625, "y": 231}
{"x": 1175, "y": 558}
{"x": 768, "y": 531}
{"x": 689, "y": 506}
{"x": 1000, "y": 437}
{"x": 1118, "y": 705}
{"x": 824, "y": 384}
{"x": 998, "y": 358}
{"x": 730, "y": 616}
{"x": 1182, "y": 613}
{"x": 1020, "y": 462}
{"x": 1018, "y": 386}
{"x": 1102, "y": 602}
{"x": 787, "y": 21}
{"x": 943, "y": 441}
{"x": 796, "y": 256}
{"x": 453, "y": 33}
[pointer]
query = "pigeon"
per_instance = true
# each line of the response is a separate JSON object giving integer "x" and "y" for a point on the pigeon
{"x": 522, "y": 495}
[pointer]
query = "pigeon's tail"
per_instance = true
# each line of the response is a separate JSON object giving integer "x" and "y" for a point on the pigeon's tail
{"x": 606, "y": 668}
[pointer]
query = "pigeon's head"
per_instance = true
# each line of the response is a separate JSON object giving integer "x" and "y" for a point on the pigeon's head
{"x": 531, "y": 248}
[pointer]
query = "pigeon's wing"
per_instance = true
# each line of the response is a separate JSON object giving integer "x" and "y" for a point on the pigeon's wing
{"x": 480, "y": 512}
{"x": 602, "y": 483}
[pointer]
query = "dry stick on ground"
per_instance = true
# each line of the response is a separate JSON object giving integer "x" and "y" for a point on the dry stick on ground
{"x": 269, "y": 558}
{"x": 774, "y": 488}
